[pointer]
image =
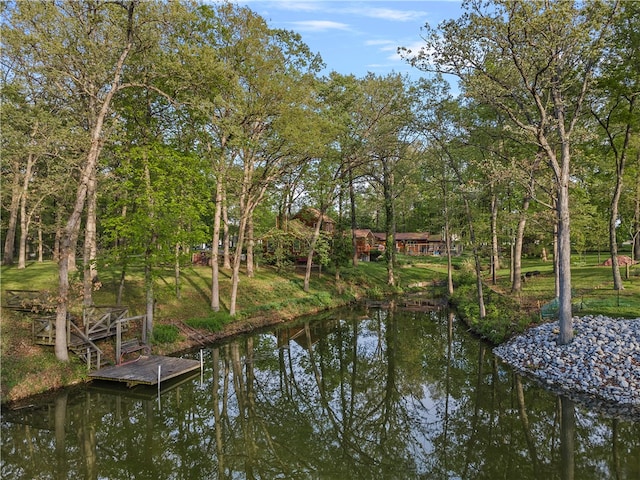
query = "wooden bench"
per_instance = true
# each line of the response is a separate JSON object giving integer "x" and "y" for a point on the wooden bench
{"x": 133, "y": 345}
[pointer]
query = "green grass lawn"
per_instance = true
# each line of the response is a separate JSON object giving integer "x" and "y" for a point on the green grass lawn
{"x": 591, "y": 284}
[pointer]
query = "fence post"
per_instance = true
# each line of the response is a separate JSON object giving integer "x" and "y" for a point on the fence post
{"x": 144, "y": 328}
{"x": 118, "y": 341}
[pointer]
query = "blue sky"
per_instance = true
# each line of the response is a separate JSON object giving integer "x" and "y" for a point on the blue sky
{"x": 357, "y": 36}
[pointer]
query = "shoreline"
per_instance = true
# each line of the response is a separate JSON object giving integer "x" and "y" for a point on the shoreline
{"x": 194, "y": 339}
{"x": 600, "y": 368}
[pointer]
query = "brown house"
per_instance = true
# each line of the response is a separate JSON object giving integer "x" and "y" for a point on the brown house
{"x": 416, "y": 243}
{"x": 365, "y": 242}
{"x": 309, "y": 217}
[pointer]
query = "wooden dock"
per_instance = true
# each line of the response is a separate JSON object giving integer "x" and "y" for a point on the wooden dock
{"x": 144, "y": 370}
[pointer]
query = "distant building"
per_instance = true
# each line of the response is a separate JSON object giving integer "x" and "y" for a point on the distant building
{"x": 365, "y": 242}
{"x": 309, "y": 217}
{"x": 419, "y": 243}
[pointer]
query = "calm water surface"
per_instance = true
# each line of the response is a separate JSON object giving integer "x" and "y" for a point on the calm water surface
{"x": 355, "y": 394}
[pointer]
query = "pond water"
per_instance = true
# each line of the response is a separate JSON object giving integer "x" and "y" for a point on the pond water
{"x": 354, "y": 394}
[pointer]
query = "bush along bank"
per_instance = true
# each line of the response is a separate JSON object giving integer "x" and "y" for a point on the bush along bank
{"x": 504, "y": 316}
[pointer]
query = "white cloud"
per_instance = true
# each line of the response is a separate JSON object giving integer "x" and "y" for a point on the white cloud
{"x": 298, "y": 6}
{"x": 383, "y": 43}
{"x": 318, "y": 25}
{"x": 390, "y": 48}
{"x": 264, "y": 7}
{"x": 394, "y": 15}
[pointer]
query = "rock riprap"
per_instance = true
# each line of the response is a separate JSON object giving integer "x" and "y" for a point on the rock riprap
{"x": 600, "y": 366}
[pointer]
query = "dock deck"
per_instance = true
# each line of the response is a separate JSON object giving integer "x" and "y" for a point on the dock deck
{"x": 144, "y": 370}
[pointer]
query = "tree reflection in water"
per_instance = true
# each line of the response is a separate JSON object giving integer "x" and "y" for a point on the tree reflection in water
{"x": 362, "y": 394}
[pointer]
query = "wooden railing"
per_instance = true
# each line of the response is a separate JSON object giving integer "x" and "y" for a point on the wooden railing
{"x": 84, "y": 348}
{"x": 29, "y": 300}
{"x": 131, "y": 345}
{"x": 44, "y": 330}
{"x": 99, "y": 322}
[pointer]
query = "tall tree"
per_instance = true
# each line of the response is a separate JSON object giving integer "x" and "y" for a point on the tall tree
{"x": 438, "y": 121}
{"x": 78, "y": 52}
{"x": 535, "y": 62}
{"x": 388, "y": 113}
{"x": 273, "y": 75}
{"x": 615, "y": 108}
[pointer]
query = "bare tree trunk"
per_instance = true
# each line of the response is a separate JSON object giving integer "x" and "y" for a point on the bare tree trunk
{"x": 556, "y": 267}
{"x": 250, "y": 245}
{"x": 226, "y": 241}
{"x": 24, "y": 233}
{"x": 564, "y": 261}
{"x": 390, "y": 250}
{"x": 177, "y": 270}
{"x": 24, "y": 217}
{"x": 215, "y": 248}
{"x": 73, "y": 223}
{"x": 495, "y": 253}
{"x": 56, "y": 244}
{"x": 40, "y": 244}
{"x": 149, "y": 296}
{"x": 90, "y": 250}
{"x": 245, "y": 213}
{"x": 447, "y": 235}
{"x": 235, "y": 271}
{"x": 10, "y": 237}
{"x": 247, "y": 202}
{"x": 63, "y": 296}
{"x": 447, "y": 230}
{"x": 472, "y": 237}
{"x": 312, "y": 246}
{"x": 621, "y": 158}
{"x": 73, "y": 250}
{"x": 123, "y": 275}
{"x": 636, "y": 216}
{"x": 476, "y": 257}
{"x": 613, "y": 242}
{"x": 352, "y": 201}
{"x": 516, "y": 285}
{"x": 636, "y": 219}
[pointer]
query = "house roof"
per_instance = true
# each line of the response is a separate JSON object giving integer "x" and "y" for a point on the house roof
{"x": 424, "y": 236}
{"x": 404, "y": 236}
{"x": 310, "y": 213}
{"x": 362, "y": 233}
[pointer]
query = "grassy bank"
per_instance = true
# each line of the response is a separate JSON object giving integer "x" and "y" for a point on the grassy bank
{"x": 511, "y": 313}
{"x": 268, "y": 298}
{"x": 272, "y": 297}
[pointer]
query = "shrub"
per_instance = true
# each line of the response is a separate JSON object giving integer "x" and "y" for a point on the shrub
{"x": 213, "y": 323}
{"x": 165, "y": 334}
{"x": 503, "y": 318}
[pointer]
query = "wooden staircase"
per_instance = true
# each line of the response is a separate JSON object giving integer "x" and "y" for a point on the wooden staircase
{"x": 98, "y": 323}
{"x": 84, "y": 347}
